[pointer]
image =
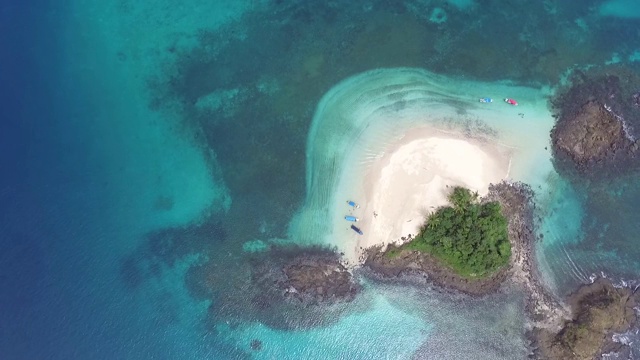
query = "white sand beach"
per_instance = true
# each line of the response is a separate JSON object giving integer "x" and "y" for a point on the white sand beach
{"x": 396, "y": 140}
{"x": 414, "y": 177}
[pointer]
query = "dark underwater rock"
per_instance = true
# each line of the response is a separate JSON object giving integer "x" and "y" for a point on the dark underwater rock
{"x": 318, "y": 279}
{"x": 286, "y": 287}
{"x": 256, "y": 345}
{"x": 591, "y": 137}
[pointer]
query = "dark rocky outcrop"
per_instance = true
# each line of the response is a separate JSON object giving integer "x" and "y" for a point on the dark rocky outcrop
{"x": 516, "y": 200}
{"x": 598, "y": 310}
{"x": 311, "y": 280}
{"x": 285, "y": 287}
{"x": 591, "y": 136}
{"x": 305, "y": 277}
{"x": 594, "y": 134}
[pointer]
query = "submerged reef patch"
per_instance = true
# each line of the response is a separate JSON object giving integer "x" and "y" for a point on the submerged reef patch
{"x": 286, "y": 288}
{"x": 306, "y": 278}
{"x": 161, "y": 249}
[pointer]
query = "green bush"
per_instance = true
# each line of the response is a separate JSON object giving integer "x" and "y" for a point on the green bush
{"x": 468, "y": 236}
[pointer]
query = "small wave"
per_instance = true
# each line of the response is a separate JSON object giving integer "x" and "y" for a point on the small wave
{"x": 626, "y": 128}
{"x": 630, "y": 338}
{"x": 576, "y": 270}
{"x": 619, "y": 283}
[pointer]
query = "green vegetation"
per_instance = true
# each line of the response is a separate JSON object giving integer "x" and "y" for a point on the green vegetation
{"x": 573, "y": 333}
{"x": 468, "y": 236}
{"x": 392, "y": 251}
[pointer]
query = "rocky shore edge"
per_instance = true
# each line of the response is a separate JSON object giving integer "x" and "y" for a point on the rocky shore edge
{"x": 518, "y": 206}
{"x": 312, "y": 276}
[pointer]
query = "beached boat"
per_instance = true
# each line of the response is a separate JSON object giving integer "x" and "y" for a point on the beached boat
{"x": 352, "y": 203}
{"x": 357, "y": 229}
{"x": 351, "y": 218}
{"x": 511, "y": 102}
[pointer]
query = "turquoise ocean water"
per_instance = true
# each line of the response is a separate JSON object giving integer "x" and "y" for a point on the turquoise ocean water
{"x": 148, "y": 148}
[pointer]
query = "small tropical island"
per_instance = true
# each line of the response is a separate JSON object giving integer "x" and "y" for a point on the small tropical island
{"x": 471, "y": 245}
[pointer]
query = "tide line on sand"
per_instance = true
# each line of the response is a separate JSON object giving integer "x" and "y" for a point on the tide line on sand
{"x": 395, "y": 140}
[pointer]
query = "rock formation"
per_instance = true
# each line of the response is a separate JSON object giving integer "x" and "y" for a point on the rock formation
{"x": 599, "y": 310}
{"x": 594, "y": 134}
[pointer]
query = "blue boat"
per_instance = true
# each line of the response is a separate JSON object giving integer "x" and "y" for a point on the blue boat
{"x": 356, "y": 229}
{"x": 486, "y": 100}
{"x": 352, "y": 203}
{"x": 351, "y": 218}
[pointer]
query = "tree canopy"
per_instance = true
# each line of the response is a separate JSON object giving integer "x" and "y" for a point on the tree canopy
{"x": 469, "y": 236}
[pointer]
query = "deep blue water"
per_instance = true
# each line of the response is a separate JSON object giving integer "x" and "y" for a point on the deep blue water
{"x": 38, "y": 244}
{"x": 81, "y": 278}
{"x": 52, "y": 303}
{"x": 26, "y": 95}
